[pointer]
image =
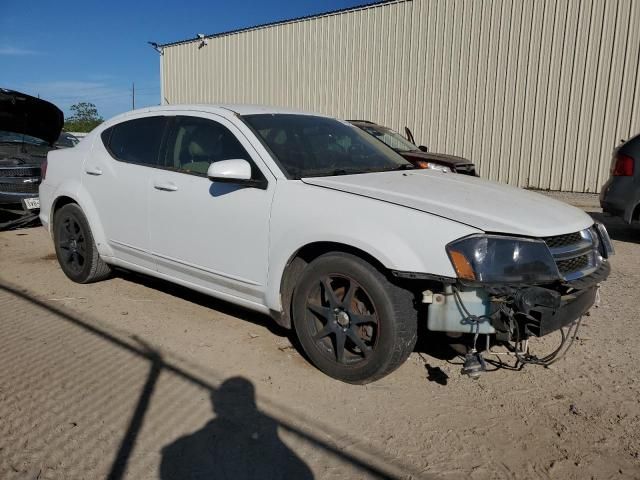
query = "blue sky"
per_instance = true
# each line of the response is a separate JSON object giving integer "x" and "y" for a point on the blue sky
{"x": 72, "y": 51}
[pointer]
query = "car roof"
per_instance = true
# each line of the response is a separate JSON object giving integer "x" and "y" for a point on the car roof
{"x": 221, "y": 109}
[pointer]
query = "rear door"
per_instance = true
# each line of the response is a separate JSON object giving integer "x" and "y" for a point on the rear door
{"x": 117, "y": 175}
{"x": 210, "y": 234}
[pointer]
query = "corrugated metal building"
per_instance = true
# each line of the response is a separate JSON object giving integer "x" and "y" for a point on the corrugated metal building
{"x": 536, "y": 92}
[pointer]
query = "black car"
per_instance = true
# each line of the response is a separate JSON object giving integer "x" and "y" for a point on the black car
{"x": 420, "y": 157}
{"x": 66, "y": 140}
{"x": 620, "y": 196}
{"x": 29, "y": 127}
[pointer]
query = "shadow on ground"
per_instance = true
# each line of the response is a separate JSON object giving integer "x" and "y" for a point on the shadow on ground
{"x": 89, "y": 370}
{"x": 203, "y": 300}
{"x": 240, "y": 442}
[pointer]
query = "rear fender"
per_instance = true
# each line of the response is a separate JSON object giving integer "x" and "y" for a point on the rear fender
{"x": 75, "y": 191}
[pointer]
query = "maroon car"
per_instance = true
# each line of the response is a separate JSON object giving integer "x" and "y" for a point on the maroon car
{"x": 418, "y": 156}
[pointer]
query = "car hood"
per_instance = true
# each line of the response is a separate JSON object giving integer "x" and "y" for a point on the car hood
{"x": 435, "y": 157}
{"x": 485, "y": 205}
{"x": 24, "y": 114}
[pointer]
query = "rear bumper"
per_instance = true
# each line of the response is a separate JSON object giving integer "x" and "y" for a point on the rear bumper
{"x": 8, "y": 200}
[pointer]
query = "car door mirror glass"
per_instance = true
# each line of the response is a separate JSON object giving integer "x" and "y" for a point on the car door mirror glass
{"x": 423, "y": 148}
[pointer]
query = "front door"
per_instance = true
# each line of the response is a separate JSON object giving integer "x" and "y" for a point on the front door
{"x": 214, "y": 235}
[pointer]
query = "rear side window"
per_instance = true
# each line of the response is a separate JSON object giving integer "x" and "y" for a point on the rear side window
{"x": 136, "y": 141}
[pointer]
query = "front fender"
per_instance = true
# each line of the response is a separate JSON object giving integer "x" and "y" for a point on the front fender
{"x": 398, "y": 237}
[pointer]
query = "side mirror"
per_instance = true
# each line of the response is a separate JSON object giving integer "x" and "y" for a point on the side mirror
{"x": 234, "y": 171}
{"x": 422, "y": 148}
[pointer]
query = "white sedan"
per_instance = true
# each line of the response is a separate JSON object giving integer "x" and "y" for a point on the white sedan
{"x": 316, "y": 223}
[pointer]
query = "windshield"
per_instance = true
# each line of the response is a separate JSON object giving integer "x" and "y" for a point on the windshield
{"x": 12, "y": 137}
{"x": 310, "y": 146}
{"x": 391, "y": 138}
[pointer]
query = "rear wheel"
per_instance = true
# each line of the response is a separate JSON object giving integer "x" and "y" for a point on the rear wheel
{"x": 352, "y": 322}
{"x": 75, "y": 248}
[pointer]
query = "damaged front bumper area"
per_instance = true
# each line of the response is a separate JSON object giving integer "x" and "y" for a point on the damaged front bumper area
{"x": 510, "y": 316}
{"x": 546, "y": 310}
{"x": 513, "y": 313}
{"x": 511, "y": 289}
{"x": 517, "y": 287}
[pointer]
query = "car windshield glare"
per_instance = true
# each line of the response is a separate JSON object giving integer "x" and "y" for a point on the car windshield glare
{"x": 391, "y": 138}
{"x": 312, "y": 146}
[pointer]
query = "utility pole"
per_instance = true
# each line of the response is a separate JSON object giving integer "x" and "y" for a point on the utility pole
{"x": 133, "y": 96}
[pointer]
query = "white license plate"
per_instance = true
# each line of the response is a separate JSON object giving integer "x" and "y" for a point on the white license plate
{"x": 31, "y": 203}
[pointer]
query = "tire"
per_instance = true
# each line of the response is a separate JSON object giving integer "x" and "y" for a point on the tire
{"x": 75, "y": 248}
{"x": 351, "y": 321}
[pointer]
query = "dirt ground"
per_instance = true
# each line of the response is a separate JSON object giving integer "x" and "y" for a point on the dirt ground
{"x": 136, "y": 378}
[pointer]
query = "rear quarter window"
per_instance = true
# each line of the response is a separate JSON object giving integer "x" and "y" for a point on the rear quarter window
{"x": 136, "y": 141}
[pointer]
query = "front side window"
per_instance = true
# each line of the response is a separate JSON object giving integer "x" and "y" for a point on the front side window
{"x": 136, "y": 141}
{"x": 194, "y": 143}
{"x": 310, "y": 146}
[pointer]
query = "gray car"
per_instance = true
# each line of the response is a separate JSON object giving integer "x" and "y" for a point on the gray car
{"x": 620, "y": 196}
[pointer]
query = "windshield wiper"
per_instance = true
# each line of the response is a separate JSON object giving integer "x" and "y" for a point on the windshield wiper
{"x": 333, "y": 173}
{"x": 355, "y": 171}
{"x": 404, "y": 166}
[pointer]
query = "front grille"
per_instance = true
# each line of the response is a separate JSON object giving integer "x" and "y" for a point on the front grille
{"x": 576, "y": 254}
{"x": 20, "y": 172}
{"x": 573, "y": 264}
{"x": 563, "y": 240}
{"x": 19, "y": 187}
{"x": 465, "y": 169}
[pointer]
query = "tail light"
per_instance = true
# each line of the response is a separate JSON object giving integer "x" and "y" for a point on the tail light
{"x": 43, "y": 169}
{"x": 623, "y": 167}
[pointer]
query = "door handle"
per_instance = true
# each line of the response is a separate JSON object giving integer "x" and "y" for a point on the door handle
{"x": 93, "y": 171}
{"x": 165, "y": 187}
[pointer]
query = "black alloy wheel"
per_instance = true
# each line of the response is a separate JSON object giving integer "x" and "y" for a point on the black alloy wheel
{"x": 72, "y": 242}
{"x": 75, "y": 247}
{"x": 353, "y": 323}
{"x": 346, "y": 326}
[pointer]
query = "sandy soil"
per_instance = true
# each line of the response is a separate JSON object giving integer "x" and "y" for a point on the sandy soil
{"x": 136, "y": 378}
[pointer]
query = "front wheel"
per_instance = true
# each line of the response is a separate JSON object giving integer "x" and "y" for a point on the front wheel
{"x": 352, "y": 322}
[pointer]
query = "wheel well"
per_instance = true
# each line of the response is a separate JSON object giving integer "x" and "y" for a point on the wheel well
{"x": 59, "y": 203}
{"x": 301, "y": 259}
{"x": 636, "y": 213}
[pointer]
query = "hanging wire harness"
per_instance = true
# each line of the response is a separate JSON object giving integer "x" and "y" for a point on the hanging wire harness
{"x": 474, "y": 361}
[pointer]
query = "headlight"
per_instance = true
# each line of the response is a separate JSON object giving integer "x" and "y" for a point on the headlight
{"x": 440, "y": 168}
{"x": 499, "y": 259}
{"x": 433, "y": 166}
{"x": 605, "y": 245}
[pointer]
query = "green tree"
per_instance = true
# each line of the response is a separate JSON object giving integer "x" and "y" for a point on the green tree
{"x": 84, "y": 118}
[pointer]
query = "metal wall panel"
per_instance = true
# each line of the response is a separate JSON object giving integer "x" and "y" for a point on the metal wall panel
{"x": 536, "y": 92}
